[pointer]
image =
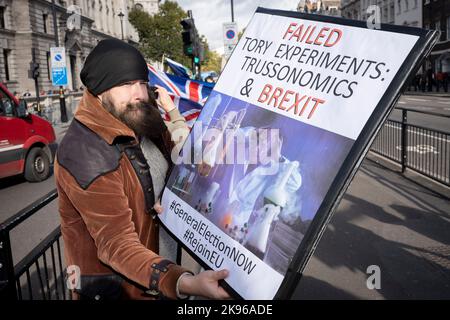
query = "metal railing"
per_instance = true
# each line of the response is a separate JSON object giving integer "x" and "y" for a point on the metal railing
{"x": 49, "y": 106}
{"x": 424, "y": 150}
{"x": 40, "y": 274}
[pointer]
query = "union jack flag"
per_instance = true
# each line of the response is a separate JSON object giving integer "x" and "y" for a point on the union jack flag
{"x": 178, "y": 69}
{"x": 188, "y": 95}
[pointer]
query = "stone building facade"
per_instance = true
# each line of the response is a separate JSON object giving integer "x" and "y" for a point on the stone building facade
{"x": 27, "y": 26}
{"x": 399, "y": 12}
{"x": 437, "y": 16}
{"x": 325, "y": 7}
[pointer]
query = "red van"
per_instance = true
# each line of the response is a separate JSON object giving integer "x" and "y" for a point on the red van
{"x": 27, "y": 142}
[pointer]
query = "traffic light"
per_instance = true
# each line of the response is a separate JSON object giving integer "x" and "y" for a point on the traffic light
{"x": 189, "y": 36}
{"x": 192, "y": 44}
{"x": 34, "y": 70}
{"x": 199, "y": 51}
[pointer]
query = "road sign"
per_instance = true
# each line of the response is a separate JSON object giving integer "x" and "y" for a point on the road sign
{"x": 230, "y": 33}
{"x": 228, "y": 49}
{"x": 59, "y": 76}
{"x": 230, "y": 37}
{"x": 58, "y": 66}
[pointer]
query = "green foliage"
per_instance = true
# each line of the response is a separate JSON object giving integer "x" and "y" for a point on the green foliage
{"x": 160, "y": 35}
{"x": 212, "y": 60}
{"x": 240, "y": 33}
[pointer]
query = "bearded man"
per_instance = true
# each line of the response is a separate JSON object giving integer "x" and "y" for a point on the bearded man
{"x": 108, "y": 191}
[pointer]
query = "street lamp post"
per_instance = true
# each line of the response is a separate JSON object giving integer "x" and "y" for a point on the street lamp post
{"x": 121, "y": 15}
{"x": 232, "y": 11}
{"x": 62, "y": 98}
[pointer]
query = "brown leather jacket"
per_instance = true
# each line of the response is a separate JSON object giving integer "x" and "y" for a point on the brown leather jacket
{"x": 106, "y": 224}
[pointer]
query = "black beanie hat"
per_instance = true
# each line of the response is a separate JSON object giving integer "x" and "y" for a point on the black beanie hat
{"x": 110, "y": 63}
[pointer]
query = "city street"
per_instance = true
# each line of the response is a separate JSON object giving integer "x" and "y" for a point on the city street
{"x": 436, "y": 104}
{"x": 428, "y": 135}
{"x": 384, "y": 220}
{"x": 15, "y": 194}
{"x": 315, "y": 75}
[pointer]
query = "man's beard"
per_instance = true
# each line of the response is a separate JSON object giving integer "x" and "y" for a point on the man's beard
{"x": 142, "y": 117}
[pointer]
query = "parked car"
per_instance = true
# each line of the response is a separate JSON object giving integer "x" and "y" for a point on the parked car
{"x": 27, "y": 142}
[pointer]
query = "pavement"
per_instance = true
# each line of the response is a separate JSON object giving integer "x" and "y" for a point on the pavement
{"x": 390, "y": 222}
{"x": 60, "y": 130}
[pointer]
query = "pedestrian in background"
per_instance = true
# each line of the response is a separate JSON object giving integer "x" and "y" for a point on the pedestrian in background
{"x": 439, "y": 80}
{"x": 445, "y": 81}
{"x": 430, "y": 80}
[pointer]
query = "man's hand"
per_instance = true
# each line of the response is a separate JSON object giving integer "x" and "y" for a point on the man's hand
{"x": 164, "y": 99}
{"x": 157, "y": 207}
{"x": 205, "y": 284}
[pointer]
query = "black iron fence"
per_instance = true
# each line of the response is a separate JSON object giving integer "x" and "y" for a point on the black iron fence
{"x": 424, "y": 150}
{"x": 49, "y": 106}
{"x": 40, "y": 274}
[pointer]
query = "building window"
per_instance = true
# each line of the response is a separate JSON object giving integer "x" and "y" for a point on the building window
{"x": 6, "y": 54}
{"x": 437, "y": 26}
{"x": 399, "y": 3}
{"x": 45, "y": 20}
{"x": 391, "y": 13}
{"x": 73, "y": 63}
{"x": 448, "y": 28}
{"x": 48, "y": 65}
{"x": 2, "y": 18}
{"x": 415, "y": 4}
{"x": 406, "y": 5}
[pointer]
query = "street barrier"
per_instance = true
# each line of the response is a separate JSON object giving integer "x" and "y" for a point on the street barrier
{"x": 40, "y": 274}
{"x": 424, "y": 150}
{"x": 49, "y": 106}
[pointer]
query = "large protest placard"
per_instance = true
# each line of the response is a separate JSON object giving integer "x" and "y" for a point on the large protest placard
{"x": 279, "y": 140}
